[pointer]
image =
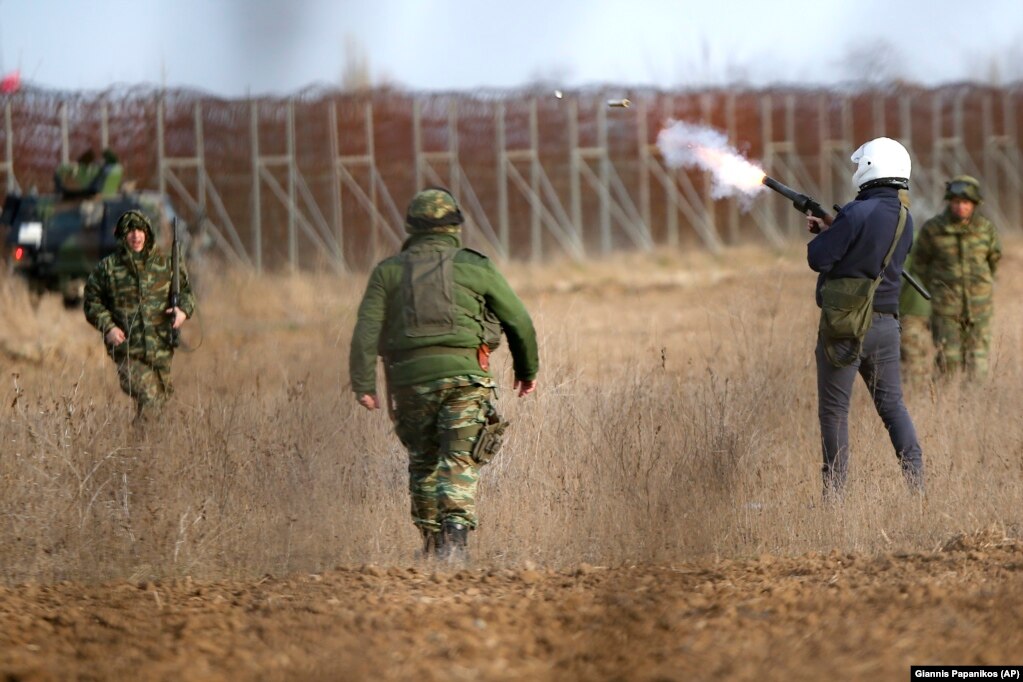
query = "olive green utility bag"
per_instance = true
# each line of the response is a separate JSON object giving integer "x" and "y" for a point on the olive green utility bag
{"x": 490, "y": 439}
{"x": 847, "y": 306}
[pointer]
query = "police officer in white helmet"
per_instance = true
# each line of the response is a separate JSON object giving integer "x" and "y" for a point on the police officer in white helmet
{"x": 861, "y": 251}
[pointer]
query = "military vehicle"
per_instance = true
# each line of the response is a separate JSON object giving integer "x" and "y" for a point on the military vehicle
{"x": 55, "y": 240}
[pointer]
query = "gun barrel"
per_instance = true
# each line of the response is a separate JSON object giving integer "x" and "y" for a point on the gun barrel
{"x": 800, "y": 201}
{"x": 916, "y": 285}
{"x": 781, "y": 189}
{"x": 175, "y": 265}
{"x": 804, "y": 203}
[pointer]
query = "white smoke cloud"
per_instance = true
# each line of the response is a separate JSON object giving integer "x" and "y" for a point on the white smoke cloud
{"x": 687, "y": 145}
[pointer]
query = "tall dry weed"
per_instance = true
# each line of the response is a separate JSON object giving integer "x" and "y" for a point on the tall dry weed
{"x": 676, "y": 418}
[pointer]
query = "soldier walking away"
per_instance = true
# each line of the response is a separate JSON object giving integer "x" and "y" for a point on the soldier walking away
{"x": 956, "y": 256}
{"x": 435, "y": 312}
{"x": 861, "y": 239}
{"x": 126, "y": 298}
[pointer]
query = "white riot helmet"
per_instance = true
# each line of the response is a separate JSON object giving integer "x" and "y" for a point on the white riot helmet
{"x": 882, "y": 161}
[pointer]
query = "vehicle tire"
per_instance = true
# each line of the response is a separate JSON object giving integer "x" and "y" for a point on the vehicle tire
{"x": 73, "y": 291}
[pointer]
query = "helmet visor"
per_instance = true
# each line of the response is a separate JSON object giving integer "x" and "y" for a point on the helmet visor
{"x": 960, "y": 188}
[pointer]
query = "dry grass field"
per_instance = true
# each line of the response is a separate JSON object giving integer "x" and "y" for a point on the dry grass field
{"x": 655, "y": 515}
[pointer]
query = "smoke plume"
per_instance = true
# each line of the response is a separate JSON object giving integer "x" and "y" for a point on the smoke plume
{"x": 686, "y": 145}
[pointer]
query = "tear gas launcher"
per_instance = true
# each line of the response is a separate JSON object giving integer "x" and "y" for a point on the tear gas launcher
{"x": 804, "y": 203}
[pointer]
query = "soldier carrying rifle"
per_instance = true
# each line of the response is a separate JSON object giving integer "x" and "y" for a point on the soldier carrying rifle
{"x": 128, "y": 298}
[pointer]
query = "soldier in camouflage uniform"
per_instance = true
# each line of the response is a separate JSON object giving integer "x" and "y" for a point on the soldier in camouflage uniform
{"x": 435, "y": 312}
{"x": 956, "y": 256}
{"x": 126, "y": 299}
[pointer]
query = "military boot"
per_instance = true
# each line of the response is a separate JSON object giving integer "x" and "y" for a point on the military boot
{"x": 432, "y": 540}
{"x": 454, "y": 542}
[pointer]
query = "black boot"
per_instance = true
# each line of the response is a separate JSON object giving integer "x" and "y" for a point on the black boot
{"x": 454, "y": 542}
{"x": 432, "y": 541}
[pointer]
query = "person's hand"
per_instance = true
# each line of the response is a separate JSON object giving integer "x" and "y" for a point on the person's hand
{"x": 179, "y": 317}
{"x": 814, "y": 224}
{"x": 114, "y": 337}
{"x": 525, "y": 387}
{"x": 369, "y": 401}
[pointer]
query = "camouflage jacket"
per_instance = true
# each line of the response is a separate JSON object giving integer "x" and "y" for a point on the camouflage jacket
{"x": 479, "y": 294}
{"x": 131, "y": 291}
{"x": 957, "y": 264}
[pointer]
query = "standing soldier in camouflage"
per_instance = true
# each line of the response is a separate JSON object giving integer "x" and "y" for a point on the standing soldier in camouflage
{"x": 435, "y": 312}
{"x": 126, "y": 299}
{"x": 956, "y": 256}
{"x": 915, "y": 317}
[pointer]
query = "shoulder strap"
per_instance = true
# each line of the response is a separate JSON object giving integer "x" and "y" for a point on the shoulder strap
{"x": 478, "y": 253}
{"x": 903, "y": 213}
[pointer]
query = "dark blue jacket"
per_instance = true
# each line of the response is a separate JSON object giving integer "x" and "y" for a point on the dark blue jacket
{"x": 856, "y": 243}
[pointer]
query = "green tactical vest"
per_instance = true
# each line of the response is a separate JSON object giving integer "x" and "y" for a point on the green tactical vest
{"x": 428, "y": 301}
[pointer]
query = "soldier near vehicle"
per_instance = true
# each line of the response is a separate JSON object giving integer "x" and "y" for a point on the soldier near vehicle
{"x": 55, "y": 240}
{"x": 126, "y": 299}
{"x": 435, "y": 312}
{"x": 859, "y": 258}
{"x": 957, "y": 255}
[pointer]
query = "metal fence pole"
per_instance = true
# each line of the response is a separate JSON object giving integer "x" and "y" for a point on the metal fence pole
{"x": 575, "y": 187}
{"x": 502, "y": 176}
{"x": 535, "y": 203}
{"x": 733, "y": 206}
{"x": 292, "y": 218}
{"x": 12, "y": 181}
{"x": 65, "y": 144}
{"x": 104, "y": 131}
{"x": 161, "y": 152}
{"x": 336, "y": 217}
{"x": 257, "y": 203}
{"x": 200, "y": 154}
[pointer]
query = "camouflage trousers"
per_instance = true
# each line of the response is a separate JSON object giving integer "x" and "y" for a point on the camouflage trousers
{"x": 962, "y": 344}
{"x": 149, "y": 385}
{"x": 438, "y": 423}
{"x": 917, "y": 347}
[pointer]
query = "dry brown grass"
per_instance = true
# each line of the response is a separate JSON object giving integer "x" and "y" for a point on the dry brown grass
{"x": 676, "y": 417}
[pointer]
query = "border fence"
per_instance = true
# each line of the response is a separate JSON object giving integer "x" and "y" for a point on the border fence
{"x": 321, "y": 179}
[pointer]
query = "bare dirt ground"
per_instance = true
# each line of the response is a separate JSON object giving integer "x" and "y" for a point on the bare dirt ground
{"x": 707, "y": 554}
{"x": 836, "y": 616}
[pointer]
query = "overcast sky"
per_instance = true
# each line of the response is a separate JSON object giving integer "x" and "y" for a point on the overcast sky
{"x": 238, "y": 47}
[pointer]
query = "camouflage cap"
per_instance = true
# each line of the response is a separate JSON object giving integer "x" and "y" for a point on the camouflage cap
{"x": 433, "y": 210}
{"x": 964, "y": 187}
{"x": 133, "y": 220}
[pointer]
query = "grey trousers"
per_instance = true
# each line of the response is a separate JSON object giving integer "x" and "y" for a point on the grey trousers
{"x": 878, "y": 364}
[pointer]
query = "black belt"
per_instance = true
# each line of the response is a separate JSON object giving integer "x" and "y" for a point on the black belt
{"x": 409, "y": 354}
{"x": 878, "y": 313}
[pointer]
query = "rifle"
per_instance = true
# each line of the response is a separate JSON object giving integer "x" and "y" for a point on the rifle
{"x": 804, "y": 203}
{"x": 175, "y": 292}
